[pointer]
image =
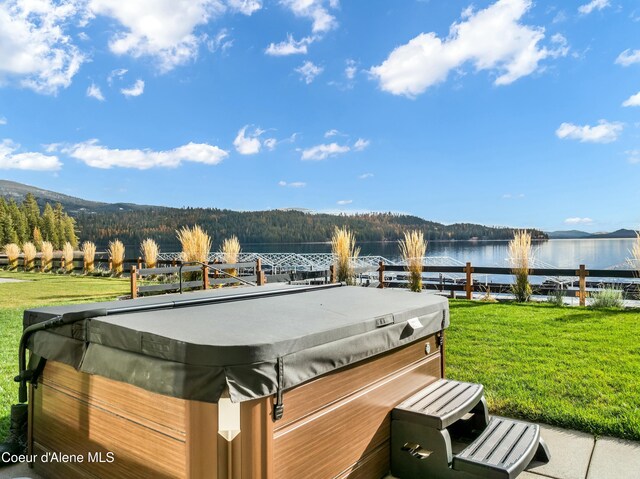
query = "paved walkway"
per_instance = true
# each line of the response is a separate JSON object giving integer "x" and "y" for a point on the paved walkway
{"x": 574, "y": 455}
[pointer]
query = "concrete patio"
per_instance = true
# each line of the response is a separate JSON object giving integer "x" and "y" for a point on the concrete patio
{"x": 575, "y": 455}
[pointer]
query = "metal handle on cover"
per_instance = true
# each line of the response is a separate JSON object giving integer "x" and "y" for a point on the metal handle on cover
{"x": 416, "y": 450}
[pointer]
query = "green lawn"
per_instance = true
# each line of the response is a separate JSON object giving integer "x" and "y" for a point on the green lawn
{"x": 571, "y": 367}
{"x": 39, "y": 290}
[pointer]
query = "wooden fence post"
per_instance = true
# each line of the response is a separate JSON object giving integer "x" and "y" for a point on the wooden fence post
{"x": 381, "y": 274}
{"x": 139, "y": 262}
{"x": 582, "y": 293}
{"x": 205, "y": 277}
{"x": 469, "y": 286}
{"x": 134, "y": 283}
{"x": 332, "y": 273}
{"x": 261, "y": 280}
{"x": 110, "y": 265}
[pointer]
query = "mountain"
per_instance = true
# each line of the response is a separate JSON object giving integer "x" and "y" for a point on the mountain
{"x": 71, "y": 204}
{"x": 621, "y": 233}
{"x": 569, "y": 234}
{"x": 103, "y": 222}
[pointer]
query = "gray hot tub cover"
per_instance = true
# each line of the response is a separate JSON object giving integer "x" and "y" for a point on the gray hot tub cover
{"x": 198, "y": 351}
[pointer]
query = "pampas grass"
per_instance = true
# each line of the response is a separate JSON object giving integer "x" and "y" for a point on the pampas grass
{"x": 521, "y": 256}
{"x": 412, "y": 249}
{"x": 635, "y": 251}
{"x": 343, "y": 247}
{"x": 230, "y": 250}
{"x": 88, "y": 256}
{"x": 67, "y": 256}
{"x": 150, "y": 251}
{"x": 196, "y": 244}
{"x": 116, "y": 255}
{"x": 46, "y": 260}
{"x": 29, "y": 255}
{"x": 12, "y": 251}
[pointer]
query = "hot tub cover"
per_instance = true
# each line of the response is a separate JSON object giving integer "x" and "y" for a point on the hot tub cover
{"x": 252, "y": 346}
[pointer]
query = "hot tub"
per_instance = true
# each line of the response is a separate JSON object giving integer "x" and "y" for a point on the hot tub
{"x": 269, "y": 382}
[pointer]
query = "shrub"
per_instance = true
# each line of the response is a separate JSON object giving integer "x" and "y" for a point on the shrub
{"x": 12, "y": 251}
{"x": 609, "y": 297}
{"x": 521, "y": 255}
{"x": 635, "y": 252}
{"x": 116, "y": 255}
{"x": 150, "y": 251}
{"x": 412, "y": 249}
{"x": 88, "y": 256}
{"x": 67, "y": 256}
{"x": 196, "y": 244}
{"x": 46, "y": 260}
{"x": 556, "y": 298}
{"x": 343, "y": 247}
{"x": 29, "y": 256}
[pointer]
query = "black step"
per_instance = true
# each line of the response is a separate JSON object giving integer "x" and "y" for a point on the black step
{"x": 440, "y": 404}
{"x": 502, "y": 451}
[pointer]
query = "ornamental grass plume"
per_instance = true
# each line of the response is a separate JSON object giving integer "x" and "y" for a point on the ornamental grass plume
{"x": 150, "y": 251}
{"x": 116, "y": 256}
{"x": 46, "y": 260}
{"x": 29, "y": 255}
{"x": 67, "y": 256}
{"x": 635, "y": 252}
{"x": 12, "y": 251}
{"x": 196, "y": 244}
{"x": 88, "y": 256}
{"x": 343, "y": 247}
{"x": 230, "y": 250}
{"x": 521, "y": 256}
{"x": 412, "y": 249}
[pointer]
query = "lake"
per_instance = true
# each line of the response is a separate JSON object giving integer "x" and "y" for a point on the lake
{"x": 594, "y": 253}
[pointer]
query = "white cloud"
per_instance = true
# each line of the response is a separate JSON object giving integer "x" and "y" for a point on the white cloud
{"x": 316, "y": 11}
{"x": 10, "y": 160}
{"x": 290, "y": 46}
{"x": 364, "y": 176}
{"x": 136, "y": 89}
{"x": 34, "y": 48}
{"x": 633, "y": 100}
{"x": 162, "y": 29}
{"x": 3, "y": 120}
{"x": 330, "y": 133}
{"x": 633, "y": 156}
{"x": 94, "y": 92}
{"x": 491, "y": 39}
{"x": 246, "y": 7}
{"x": 308, "y": 71}
{"x": 350, "y": 70}
{"x": 270, "y": 143}
{"x": 222, "y": 41}
{"x": 248, "y": 144}
{"x": 294, "y": 184}
{"x": 603, "y": 132}
{"x": 587, "y": 8}
{"x": 628, "y": 57}
{"x": 118, "y": 73}
{"x": 578, "y": 221}
{"x": 324, "y": 151}
{"x": 361, "y": 144}
{"x": 509, "y": 196}
{"x": 98, "y": 156}
{"x": 344, "y": 202}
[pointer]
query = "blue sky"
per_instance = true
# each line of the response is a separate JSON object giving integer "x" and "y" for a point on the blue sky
{"x": 506, "y": 112}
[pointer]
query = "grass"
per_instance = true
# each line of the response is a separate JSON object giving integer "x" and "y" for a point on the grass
{"x": 195, "y": 242}
{"x": 116, "y": 255}
{"x": 88, "y": 256}
{"x": 29, "y": 258}
{"x": 67, "y": 255}
{"x": 150, "y": 251}
{"x": 39, "y": 290}
{"x": 610, "y": 297}
{"x": 47, "y": 256}
{"x": 12, "y": 251}
{"x": 521, "y": 255}
{"x": 343, "y": 247}
{"x": 412, "y": 249}
{"x": 570, "y": 367}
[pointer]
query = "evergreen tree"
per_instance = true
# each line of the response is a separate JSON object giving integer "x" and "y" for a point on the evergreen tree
{"x": 37, "y": 237}
{"x": 48, "y": 227}
{"x": 31, "y": 211}
{"x": 19, "y": 222}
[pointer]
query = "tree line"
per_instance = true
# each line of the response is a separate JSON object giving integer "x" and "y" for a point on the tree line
{"x": 24, "y": 222}
{"x": 273, "y": 226}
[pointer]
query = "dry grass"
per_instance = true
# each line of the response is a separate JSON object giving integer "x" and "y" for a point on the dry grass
{"x": 88, "y": 256}
{"x": 230, "y": 250}
{"x": 196, "y": 244}
{"x": 67, "y": 256}
{"x": 29, "y": 255}
{"x": 412, "y": 248}
{"x": 46, "y": 260}
{"x": 150, "y": 251}
{"x": 343, "y": 247}
{"x": 116, "y": 255}
{"x": 635, "y": 252}
{"x": 521, "y": 256}
{"x": 12, "y": 251}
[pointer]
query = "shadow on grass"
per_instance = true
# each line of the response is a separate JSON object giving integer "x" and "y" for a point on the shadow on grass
{"x": 4, "y": 427}
{"x": 463, "y": 303}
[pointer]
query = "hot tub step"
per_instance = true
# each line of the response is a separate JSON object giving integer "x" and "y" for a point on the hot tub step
{"x": 503, "y": 450}
{"x": 442, "y": 403}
